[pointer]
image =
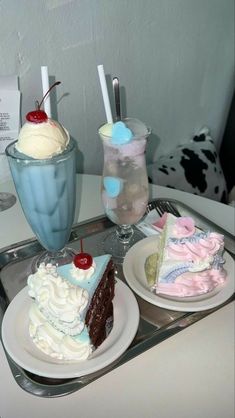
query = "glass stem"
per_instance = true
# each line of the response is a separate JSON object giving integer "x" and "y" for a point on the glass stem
{"x": 124, "y": 233}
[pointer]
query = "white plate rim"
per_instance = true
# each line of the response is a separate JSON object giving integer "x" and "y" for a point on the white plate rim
{"x": 23, "y": 351}
{"x": 141, "y": 250}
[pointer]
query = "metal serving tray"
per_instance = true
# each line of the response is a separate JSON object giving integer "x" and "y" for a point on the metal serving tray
{"x": 156, "y": 324}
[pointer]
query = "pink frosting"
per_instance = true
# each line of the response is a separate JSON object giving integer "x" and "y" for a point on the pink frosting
{"x": 184, "y": 227}
{"x": 195, "y": 251}
{"x": 193, "y": 284}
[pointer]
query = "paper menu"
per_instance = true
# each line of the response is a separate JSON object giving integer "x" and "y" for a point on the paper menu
{"x": 9, "y": 111}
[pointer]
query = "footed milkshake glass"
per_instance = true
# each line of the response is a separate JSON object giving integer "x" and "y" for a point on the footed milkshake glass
{"x": 47, "y": 192}
{"x": 124, "y": 189}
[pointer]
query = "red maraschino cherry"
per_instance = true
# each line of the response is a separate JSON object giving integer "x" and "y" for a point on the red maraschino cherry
{"x": 83, "y": 260}
{"x": 38, "y": 115}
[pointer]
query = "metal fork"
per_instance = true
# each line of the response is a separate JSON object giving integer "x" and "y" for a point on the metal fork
{"x": 162, "y": 206}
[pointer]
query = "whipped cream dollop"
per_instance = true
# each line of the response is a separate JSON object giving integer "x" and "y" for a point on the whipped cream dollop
{"x": 61, "y": 302}
{"x": 42, "y": 140}
{"x": 81, "y": 274}
{"x": 53, "y": 342}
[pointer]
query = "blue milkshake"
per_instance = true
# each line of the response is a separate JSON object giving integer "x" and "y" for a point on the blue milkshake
{"x": 43, "y": 167}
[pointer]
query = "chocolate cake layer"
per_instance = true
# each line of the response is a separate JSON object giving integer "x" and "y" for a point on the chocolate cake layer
{"x": 100, "y": 308}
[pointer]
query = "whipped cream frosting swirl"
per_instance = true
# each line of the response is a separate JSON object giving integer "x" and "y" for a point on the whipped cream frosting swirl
{"x": 196, "y": 249}
{"x": 53, "y": 342}
{"x": 191, "y": 284}
{"x": 192, "y": 259}
{"x": 184, "y": 227}
{"x": 81, "y": 274}
{"x": 61, "y": 302}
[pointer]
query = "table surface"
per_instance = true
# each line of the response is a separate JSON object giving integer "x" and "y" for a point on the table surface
{"x": 188, "y": 375}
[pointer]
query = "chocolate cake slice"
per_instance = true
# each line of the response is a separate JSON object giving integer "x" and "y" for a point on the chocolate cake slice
{"x": 71, "y": 308}
{"x": 101, "y": 308}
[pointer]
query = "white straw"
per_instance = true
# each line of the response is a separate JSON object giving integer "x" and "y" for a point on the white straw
{"x": 45, "y": 88}
{"x": 105, "y": 94}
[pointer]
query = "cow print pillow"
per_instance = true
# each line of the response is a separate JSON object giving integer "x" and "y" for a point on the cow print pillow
{"x": 193, "y": 168}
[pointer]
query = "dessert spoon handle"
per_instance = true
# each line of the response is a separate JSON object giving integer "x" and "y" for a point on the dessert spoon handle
{"x": 116, "y": 90}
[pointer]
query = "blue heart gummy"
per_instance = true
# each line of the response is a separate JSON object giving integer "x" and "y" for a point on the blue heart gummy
{"x": 113, "y": 186}
{"x": 121, "y": 134}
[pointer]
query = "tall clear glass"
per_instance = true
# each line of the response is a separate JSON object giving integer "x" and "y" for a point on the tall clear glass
{"x": 47, "y": 192}
{"x": 125, "y": 190}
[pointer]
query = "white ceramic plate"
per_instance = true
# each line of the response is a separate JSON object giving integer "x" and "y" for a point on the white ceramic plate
{"x": 133, "y": 267}
{"x": 23, "y": 351}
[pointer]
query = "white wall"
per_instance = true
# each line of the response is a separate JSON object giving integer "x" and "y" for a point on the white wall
{"x": 174, "y": 59}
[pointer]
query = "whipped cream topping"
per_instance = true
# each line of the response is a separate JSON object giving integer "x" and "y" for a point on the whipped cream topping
{"x": 81, "y": 274}
{"x": 42, "y": 140}
{"x": 61, "y": 302}
{"x": 53, "y": 342}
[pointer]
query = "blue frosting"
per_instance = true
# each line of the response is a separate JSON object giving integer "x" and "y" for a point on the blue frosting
{"x": 217, "y": 262}
{"x": 172, "y": 274}
{"x": 120, "y": 134}
{"x": 89, "y": 284}
{"x": 194, "y": 238}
